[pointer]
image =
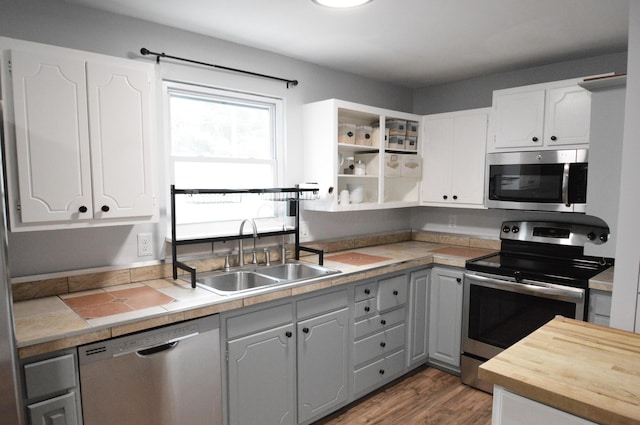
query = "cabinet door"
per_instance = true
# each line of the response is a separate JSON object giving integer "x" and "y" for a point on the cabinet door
{"x": 261, "y": 378}
{"x": 468, "y": 160}
{"x": 60, "y": 410}
{"x": 418, "y": 341}
{"x": 445, "y": 317}
{"x": 437, "y": 151}
{"x": 568, "y": 116}
{"x": 52, "y": 139}
{"x": 120, "y": 128}
{"x": 519, "y": 119}
{"x": 323, "y": 373}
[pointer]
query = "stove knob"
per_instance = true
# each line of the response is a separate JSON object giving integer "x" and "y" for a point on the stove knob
{"x": 604, "y": 237}
{"x": 506, "y": 229}
{"x": 518, "y": 275}
{"x": 515, "y": 229}
{"x": 591, "y": 236}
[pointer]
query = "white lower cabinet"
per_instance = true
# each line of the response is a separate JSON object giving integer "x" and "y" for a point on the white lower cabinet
{"x": 418, "y": 319}
{"x": 512, "y": 409}
{"x": 51, "y": 389}
{"x": 445, "y": 318}
{"x": 379, "y": 332}
{"x": 323, "y": 356}
{"x": 260, "y": 352}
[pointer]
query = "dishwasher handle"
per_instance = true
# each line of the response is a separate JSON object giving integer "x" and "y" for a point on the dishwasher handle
{"x": 157, "y": 349}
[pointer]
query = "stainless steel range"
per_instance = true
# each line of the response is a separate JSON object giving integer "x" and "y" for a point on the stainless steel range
{"x": 540, "y": 272}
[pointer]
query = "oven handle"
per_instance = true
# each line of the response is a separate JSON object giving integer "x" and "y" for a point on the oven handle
{"x": 530, "y": 287}
{"x": 565, "y": 184}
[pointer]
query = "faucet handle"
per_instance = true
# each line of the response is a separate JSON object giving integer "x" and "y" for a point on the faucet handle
{"x": 267, "y": 256}
{"x": 226, "y": 263}
{"x": 254, "y": 258}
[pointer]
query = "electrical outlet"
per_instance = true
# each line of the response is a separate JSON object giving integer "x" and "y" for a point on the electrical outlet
{"x": 145, "y": 244}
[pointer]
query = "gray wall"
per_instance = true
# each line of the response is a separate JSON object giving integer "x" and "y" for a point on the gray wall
{"x": 477, "y": 92}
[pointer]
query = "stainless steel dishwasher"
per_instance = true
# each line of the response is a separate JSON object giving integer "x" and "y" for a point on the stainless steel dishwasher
{"x": 165, "y": 376}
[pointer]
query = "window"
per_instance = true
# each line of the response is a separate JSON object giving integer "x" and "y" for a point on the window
{"x": 219, "y": 139}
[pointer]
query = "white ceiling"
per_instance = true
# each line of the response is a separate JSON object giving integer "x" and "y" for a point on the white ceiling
{"x": 414, "y": 43}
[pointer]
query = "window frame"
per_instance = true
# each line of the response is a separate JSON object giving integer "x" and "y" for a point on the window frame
{"x": 276, "y": 104}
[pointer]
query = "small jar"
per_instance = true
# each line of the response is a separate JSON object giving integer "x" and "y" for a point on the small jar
{"x": 360, "y": 168}
{"x": 348, "y": 166}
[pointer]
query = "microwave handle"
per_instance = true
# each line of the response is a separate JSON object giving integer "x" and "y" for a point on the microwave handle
{"x": 565, "y": 184}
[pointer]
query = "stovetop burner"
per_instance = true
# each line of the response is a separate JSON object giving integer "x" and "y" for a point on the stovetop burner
{"x": 545, "y": 251}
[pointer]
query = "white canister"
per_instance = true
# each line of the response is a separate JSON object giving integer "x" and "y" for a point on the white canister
{"x": 344, "y": 197}
{"x": 360, "y": 168}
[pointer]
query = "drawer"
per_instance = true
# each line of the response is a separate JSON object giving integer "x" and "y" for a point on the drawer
{"x": 375, "y": 374}
{"x": 379, "y": 344}
{"x": 50, "y": 376}
{"x": 322, "y": 304}
{"x": 392, "y": 292}
{"x": 365, "y": 308}
{"x": 60, "y": 410}
{"x": 366, "y": 290}
{"x": 379, "y": 322}
{"x": 259, "y": 320}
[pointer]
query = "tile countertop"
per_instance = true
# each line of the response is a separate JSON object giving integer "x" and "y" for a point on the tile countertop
{"x": 584, "y": 369}
{"x": 49, "y": 324}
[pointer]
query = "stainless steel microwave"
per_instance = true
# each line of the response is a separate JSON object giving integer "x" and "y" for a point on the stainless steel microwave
{"x": 539, "y": 181}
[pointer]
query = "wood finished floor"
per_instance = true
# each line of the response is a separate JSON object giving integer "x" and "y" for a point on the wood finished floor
{"x": 426, "y": 397}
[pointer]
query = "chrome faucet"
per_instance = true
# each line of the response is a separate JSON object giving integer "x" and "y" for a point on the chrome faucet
{"x": 255, "y": 235}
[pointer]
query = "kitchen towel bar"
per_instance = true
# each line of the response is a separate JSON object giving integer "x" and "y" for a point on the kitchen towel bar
{"x": 144, "y": 51}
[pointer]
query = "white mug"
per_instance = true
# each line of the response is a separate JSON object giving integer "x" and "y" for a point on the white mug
{"x": 344, "y": 197}
{"x": 357, "y": 195}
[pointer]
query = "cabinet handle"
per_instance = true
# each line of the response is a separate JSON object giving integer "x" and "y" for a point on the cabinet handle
{"x": 305, "y": 330}
{"x": 367, "y": 291}
{"x": 455, "y": 197}
{"x": 289, "y": 334}
{"x": 458, "y": 279}
{"x": 444, "y": 197}
{"x": 554, "y": 138}
{"x": 381, "y": 371}
{"x": 105, "y": 208}
{"x": 83, "y": 209}
{"x": 367, "y": 309}
{"x": 535, "y": 139}
{"x": 395, "y": 293}
{"x": 383, "y": 344}
{"x": 383, "y": 322}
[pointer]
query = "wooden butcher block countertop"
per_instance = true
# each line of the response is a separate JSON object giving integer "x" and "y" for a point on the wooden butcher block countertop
{"x": 587, "y": 370}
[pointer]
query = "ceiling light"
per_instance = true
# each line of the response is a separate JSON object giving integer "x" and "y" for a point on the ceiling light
{"x": 341, "y": 3}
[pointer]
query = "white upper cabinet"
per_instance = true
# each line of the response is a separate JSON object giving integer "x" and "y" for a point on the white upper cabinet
{"x": 346, "y": 152}
{"x": 79, "y": 130}
{"x": 541, "y": 116}
{"x": 453, "y": 148}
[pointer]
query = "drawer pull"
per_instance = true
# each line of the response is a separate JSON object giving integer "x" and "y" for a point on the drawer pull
{"x": 367, "y": 291}
{"x": 289, "y": 334}
{"x": 305, "y": 330}
{"x": 383, "y": 322}
{"x": 383, "y": 344}
{"x": 367, "y": 308}
{"x": 395, "y": 292}
{"x": 381, "y": 371}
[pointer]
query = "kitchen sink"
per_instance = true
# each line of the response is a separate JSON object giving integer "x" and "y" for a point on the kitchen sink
{"x": 226, "y": 283}
{"x": 295, "y": 271}
{"x": 236, "y": 281}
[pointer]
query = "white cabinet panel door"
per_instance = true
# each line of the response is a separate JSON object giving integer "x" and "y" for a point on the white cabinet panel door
{"x": 469, "y": 149}
{"x": 120, "y": 130}
{"x": 519, "y": 119}
{"x": 52, "y": 140}
{"x": 568, "y": 116}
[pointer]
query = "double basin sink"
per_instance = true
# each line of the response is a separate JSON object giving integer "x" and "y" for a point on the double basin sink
{"x": 256, "y": 277}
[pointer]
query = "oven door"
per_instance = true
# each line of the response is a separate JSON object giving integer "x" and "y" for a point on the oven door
{"x": 498, "y": 312}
